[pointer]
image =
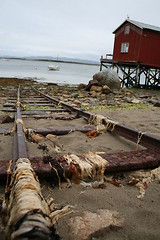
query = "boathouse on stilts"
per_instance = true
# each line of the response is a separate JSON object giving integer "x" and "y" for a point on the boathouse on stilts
{"x": 136, "y": 54}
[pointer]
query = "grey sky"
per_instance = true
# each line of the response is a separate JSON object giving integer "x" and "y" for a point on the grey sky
{"x": 68, "y": 28}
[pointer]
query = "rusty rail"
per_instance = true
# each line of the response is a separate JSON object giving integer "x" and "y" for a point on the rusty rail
{"x": 20, "y": 147}
{"x": 118, "y": 162}
{"x": 132, "y": 134}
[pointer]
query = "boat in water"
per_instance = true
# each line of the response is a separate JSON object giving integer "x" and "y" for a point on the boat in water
{"x": 53, "y": 68}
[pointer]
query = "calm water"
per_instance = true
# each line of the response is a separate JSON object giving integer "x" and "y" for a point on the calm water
{"x": 68, "y": 73}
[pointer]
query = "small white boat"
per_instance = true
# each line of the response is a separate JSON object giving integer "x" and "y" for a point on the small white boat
{"x": 53, "y": 68}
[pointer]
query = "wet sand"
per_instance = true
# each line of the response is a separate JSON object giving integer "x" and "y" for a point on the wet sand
{"x": 141, "y": 217}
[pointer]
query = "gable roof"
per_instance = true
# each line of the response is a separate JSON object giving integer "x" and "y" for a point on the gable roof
{"x": 140, "y": 25}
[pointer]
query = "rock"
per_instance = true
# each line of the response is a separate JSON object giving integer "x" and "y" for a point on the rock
{"x": 95, "y": 88}
{"x": 128, "y": 99}
{"x": 144, "y": 96}
{"x": 107, "y": 77}
{"x": 157, "y": 104}
{"x": 7, "y": 119}
{"x": 51, "y": 137}
{"x": 91, "y": 225}
{"x": 93, "y": 94}
{"x": 106, "y": 90}
{"x": 136, "y": 101}
{"x": 74, "y": 95}
{"x": 82, "y": 86}
{"x": 77, "y": 102}
{"x": 37, "y": 138}
{"x": 152, "y": 100}
{"x": 84, "y": 104}
{"x": 92, "y": 82}
{"x": 127, "y": 92}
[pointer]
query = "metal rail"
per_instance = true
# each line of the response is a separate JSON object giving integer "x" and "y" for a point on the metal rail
{"x": 26, "y": 218}
{"x": 20, "y": 147}
{"x": 118, "y": 162}
{"x": 132, "y": 134}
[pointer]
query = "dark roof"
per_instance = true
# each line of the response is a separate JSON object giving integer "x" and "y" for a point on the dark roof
{"x": 140, "y": 25}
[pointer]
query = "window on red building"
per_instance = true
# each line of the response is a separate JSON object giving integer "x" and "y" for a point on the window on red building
{"x": 124, "y": 47}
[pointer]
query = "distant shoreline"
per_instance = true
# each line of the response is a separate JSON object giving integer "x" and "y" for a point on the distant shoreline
{"x": 52, "y": 60}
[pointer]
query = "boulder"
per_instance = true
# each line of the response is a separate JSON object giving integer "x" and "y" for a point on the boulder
{"x": 107, "y": 77}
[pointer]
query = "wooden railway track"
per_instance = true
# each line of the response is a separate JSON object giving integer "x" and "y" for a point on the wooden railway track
{"x": 38, "y": 105}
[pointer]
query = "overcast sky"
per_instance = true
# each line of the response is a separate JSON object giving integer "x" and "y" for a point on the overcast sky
{"x": 68, "y": 28}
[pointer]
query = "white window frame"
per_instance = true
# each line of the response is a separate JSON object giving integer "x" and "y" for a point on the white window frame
{"x": 127, "y": 29}
{"x": 125, "y": 47}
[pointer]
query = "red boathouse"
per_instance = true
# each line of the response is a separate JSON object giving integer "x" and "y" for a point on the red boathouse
{"x": 136, "y": 54}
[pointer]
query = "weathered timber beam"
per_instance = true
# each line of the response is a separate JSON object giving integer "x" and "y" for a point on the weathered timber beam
{"x": 30, "y": 104}
{"x": 7, "y": 110}
{"x": 41, "y": 111}
{"x": 63, "y": 130}
{"x": 65, "y": 105}
{"x": 8, "y": 105}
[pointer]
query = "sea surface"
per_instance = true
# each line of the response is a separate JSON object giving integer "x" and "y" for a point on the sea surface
{"x": 69, "y": 73}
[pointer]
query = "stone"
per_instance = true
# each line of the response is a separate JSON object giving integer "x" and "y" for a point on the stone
{"x": 91, "y": 82}
{"x": 91, "y": 225}
{"x": 128, "y": 99}
{"x": 84, "y": 104}
{"x": 74, "y": 95}
{"x": 106, "y": 90}
{"x": 7, "y": 119}
{"x": 37, "y": 138}
{"x": 81, "y": 86}
{"x": 77, "y": 102}
{"x": 95, "y": 88}
{"x": 108, "y": 77}
{"x": 51, "y": 137}
{"x": 136, "y": 101}
{"x": 157, "y": 104}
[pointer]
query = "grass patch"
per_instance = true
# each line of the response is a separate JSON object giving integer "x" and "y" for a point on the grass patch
{"x": 28, "y": 108}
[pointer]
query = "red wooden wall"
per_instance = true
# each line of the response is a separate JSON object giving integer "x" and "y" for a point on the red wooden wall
{"x": 144, "y": 45}
{"x": 150, "y": 48}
